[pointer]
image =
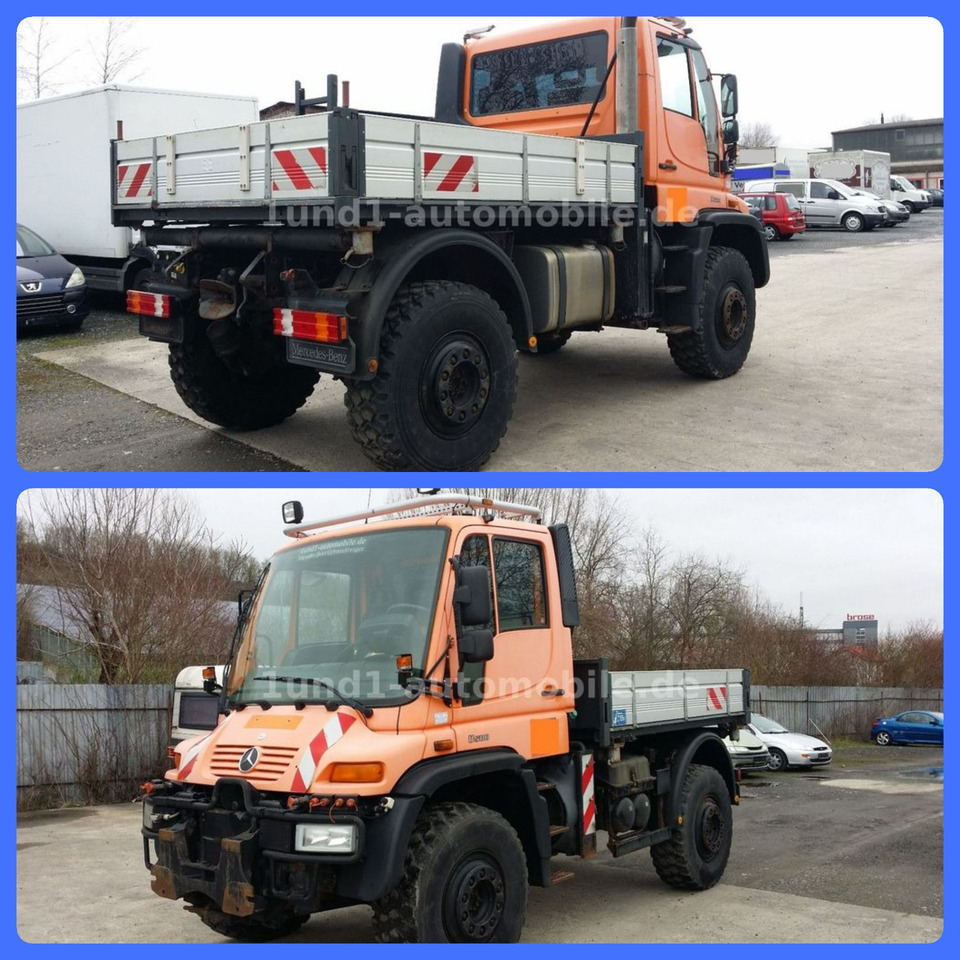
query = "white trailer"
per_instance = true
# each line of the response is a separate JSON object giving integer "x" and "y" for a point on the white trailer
{"x": 866, "y": 169}
{"x": 63, "y": 151}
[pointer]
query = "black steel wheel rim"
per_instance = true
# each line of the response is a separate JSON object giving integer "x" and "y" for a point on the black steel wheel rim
{"x": 474, "y": 899}
{"x": 711, "y": 830}
{"x": 455, "y": 384}
{"x": 732, "y": 315}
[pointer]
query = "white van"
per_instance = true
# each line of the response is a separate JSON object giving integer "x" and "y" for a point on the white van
{"x": 194, "y": 710}
{"x": 827, "y": 203}
{"x": 903, "y": 191}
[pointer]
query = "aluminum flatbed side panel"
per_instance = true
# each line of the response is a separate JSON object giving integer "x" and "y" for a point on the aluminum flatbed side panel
{"x": 407, "y": 161}
{"x": 640, "y": 698}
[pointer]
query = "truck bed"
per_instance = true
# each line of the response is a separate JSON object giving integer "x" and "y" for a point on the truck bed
{"x": 248, "y": 171}
{"x": 622, "y": 705}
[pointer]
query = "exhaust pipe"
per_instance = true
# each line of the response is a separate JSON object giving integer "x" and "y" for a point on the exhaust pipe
{"x": 627, "y": 76}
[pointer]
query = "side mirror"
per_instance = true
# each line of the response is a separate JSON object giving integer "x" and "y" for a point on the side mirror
{"x": 473, "y": 596}
{"x": 210, "y": 684}
{"x": 729, "y": 102}
{"x": 476, "y": 646}
{"x": 731, "y": 131}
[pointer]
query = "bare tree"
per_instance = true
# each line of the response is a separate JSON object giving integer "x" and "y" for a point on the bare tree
{"x": 139, "y": 580}
{"x": 113, "y": 54}
{"x": 754, "y": 135}
{"x": 38, "y": 58}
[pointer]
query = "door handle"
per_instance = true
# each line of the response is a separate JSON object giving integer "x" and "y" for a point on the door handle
{"x": 551, "y": 693}
{"x": 668, "y": 166}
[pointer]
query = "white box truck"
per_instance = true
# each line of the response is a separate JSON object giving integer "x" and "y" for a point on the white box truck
{"x": 63, "y": 163}
{"x": 866, "y": 169}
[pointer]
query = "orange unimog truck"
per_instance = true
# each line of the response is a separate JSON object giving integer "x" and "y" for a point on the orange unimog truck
{"x": 403, "y": 724}
{"x": 575, "y": 176}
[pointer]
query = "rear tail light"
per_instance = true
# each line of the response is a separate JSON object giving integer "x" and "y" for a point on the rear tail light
{"x": 149, "y": 304}
{"x": 310, "y": 325}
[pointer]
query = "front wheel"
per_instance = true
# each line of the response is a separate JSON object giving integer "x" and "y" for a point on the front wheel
{"x": 852, "y": 223}
{"x": 778, "y": 761}
{"x": 444, "y": 391}
{"x": 696, "y": 854}
{"x": 728, "y": 307}
{"x": 464, "y": 881}
{"x": 884, "y": 739}
{"x": 911, "y": 209}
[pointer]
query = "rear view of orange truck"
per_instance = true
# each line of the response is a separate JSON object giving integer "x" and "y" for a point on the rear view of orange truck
{"x": 403, "y": 724}
{"x": 574, "y": 177}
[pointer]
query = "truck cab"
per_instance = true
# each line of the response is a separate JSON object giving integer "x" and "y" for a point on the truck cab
{"x": 403, "y": 724}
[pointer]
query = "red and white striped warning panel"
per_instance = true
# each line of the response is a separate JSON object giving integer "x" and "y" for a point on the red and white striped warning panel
{"x": 190, "y": 758}
{"x": 589, "y": 804}
{"x": 133, "y": 180}
{"x": 716, "y": 699}
{"x": 332, "y": 732}
{"x": 451, "y": 173}
{"x": 299, "y": 170}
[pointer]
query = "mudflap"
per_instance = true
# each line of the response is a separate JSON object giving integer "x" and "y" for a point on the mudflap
{"x": 229, "y": 884}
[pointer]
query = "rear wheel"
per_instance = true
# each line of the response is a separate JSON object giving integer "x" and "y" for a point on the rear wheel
{"x": 852, "y": 223}
{"x": 696, "y": 854}
{"x": 884, "y": 739}
{"x": 231, "y": 399}
{"x": 447, "y": 381}
{"x": 728, "y": 314}
{"x": 770, "y": 232}
{"x": 464, "y": 881}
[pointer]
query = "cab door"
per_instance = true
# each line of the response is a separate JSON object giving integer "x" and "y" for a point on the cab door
{"x": 513, "y": 700}
{"x": 824, "y": 204}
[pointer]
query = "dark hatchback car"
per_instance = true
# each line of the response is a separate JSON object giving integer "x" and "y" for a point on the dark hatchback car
{"x": 51, "y": 291}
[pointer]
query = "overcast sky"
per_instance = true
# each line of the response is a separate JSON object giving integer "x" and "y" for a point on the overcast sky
{"x": 849, "y": 551}
{"x": 804, "y": 76}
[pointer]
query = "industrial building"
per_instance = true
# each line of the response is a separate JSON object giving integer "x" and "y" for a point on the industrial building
{"x": 915, "y": 147}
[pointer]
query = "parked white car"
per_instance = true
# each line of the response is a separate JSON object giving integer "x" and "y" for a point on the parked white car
{"x": 913, "y": 198}
{"x": 747, "y": 753}
{"x": 788, "y": 749}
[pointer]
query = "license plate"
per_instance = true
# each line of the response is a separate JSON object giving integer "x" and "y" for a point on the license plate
{"x": 332, "y": 357}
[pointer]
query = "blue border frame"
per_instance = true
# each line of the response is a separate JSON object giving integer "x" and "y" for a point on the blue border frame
{"x": 944, "y": 480}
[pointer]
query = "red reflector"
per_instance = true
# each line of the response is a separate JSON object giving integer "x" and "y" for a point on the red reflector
{"x": 150, "y": 304}
{"x": 307, "y": 325}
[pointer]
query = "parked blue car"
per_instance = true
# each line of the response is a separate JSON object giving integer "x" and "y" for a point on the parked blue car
{"x": 913, "y": 726}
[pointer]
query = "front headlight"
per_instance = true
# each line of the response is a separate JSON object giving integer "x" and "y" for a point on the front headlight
{"x": 147, "y": 815}
{"x": 76, "y": 278}
{"x": 326, "y": 838}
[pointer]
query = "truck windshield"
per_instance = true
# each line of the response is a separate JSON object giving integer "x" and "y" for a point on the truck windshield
{"x": 338, "y": 613}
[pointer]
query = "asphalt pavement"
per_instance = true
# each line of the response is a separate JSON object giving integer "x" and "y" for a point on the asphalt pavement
{"x": 850, "y": 853}
{"x": 846, "y": 373}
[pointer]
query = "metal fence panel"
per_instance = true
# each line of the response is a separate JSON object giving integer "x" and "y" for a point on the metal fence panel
{"x": 839, "y": 711}
{"x": 71, "y": 737}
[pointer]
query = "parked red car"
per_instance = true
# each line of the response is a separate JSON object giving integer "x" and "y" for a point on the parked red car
{"x": 782, "y": 216}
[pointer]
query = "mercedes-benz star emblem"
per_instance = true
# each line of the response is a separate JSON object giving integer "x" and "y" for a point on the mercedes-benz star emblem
{"x": 249, "y": 760}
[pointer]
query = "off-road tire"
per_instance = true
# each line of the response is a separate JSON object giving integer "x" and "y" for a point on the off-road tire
{"x": 452, "y": 844}
{"x": 437, "y": 334}
{"x": 551, "y": 342}
{"x": 709, "y": 353}
{"x": 228, "y": 398}
{"x": 778, "y": 761}
{"x": 696, "y": 854}
{"x": 250, "y": 929}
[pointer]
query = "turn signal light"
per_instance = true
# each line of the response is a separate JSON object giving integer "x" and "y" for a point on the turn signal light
{"x": 209, "y": 673}
{"x": 309, "y": 325}
{"x": 356, "y": 772}
{"x": 150, "y": 304}
{"x": 405, "y": 662}
{"x": 171, "y": 753}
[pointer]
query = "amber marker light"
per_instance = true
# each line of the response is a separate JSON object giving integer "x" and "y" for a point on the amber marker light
{"x": 356, "y": 772}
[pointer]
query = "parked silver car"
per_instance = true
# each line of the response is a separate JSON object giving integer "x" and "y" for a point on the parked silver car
{"x": 747, "y": 753}
{"x": 788, "y": 749}
{"x": 896, "y": 212}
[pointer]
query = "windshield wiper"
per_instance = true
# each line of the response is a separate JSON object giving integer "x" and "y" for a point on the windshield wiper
{"x": 357, "y": 705}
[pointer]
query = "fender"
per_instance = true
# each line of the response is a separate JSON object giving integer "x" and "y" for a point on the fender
{"x": 703, "y": 747}
{"x": 440, "y": 254}
{"x": 743, "y": 232}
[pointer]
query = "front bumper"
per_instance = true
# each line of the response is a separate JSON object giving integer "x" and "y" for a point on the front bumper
{"x": 873, "y": 219}
{"x": 52, "y": 309}
{"x": 751, "y": 761}
{"x": 234, "y": 848}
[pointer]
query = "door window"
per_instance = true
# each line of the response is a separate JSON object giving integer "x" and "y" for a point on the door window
{"x": 819, "y": 191}
{"x": 795, "y": 188}
{"x": 521, "y": 602}
{"x": 674, "y": 77}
